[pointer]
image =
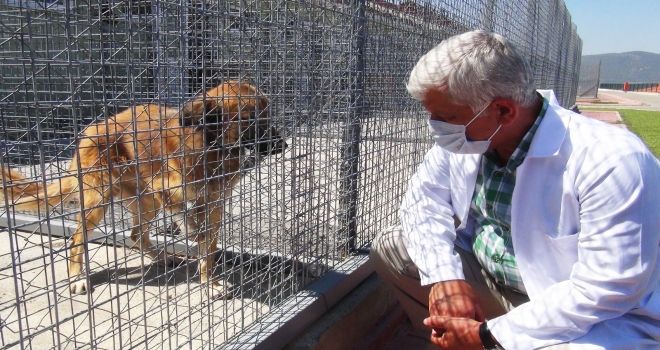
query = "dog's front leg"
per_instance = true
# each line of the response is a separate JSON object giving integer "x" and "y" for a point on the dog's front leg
{"x": 209, "y": 215}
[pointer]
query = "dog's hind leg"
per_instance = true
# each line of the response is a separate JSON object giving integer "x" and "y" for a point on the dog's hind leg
{"x": 144, "y": 209}
{"x": 94, "y": 201}
{"x": 144, "y": 212}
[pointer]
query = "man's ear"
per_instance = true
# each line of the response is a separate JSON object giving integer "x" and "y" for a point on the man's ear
{"x": 505, "y": 110}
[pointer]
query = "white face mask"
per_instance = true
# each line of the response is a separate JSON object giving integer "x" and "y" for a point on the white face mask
{"x": 452, "y": 137}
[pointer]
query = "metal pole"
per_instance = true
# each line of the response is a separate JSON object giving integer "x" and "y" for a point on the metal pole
{"x": 598, "y": 78}
{"x": 350, "y": 145}
{"x": 488, "y": 16}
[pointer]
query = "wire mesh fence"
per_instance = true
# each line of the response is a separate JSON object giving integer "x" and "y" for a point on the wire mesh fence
{"x": 247, "y": 146}
{"x": 589, "y": 80}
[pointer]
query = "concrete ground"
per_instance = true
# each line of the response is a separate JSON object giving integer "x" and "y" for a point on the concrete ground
{"x": 134, "y": 303}
{"x": 614, "y": 99}
{"x": 622, "y": 100}
{"x": 289, "y": 206}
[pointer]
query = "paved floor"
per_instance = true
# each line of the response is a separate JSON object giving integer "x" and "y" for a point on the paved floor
{"x": 611, "y": 117}
{"x": 622, "y": 100}
{"x": 407, "y": 337}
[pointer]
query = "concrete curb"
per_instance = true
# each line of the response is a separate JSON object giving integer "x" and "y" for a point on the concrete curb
{"x": 287, "y": 321}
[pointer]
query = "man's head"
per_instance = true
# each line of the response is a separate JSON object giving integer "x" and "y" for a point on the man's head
{"x": 473, "y": 69}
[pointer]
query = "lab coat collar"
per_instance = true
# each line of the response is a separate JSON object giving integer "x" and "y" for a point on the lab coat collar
{"x": 552, "y": 131}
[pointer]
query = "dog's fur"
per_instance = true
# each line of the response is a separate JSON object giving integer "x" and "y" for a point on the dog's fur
{"x": 155, "y": 158}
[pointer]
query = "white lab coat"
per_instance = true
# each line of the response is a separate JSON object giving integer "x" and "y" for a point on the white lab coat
{"x": 585, "y": 230}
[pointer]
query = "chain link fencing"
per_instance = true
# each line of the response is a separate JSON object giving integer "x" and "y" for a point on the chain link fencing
{"x": 589, "y": 81}
{"x": 334, "y": 75}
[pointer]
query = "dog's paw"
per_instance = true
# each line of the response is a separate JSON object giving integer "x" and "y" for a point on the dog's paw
{"x": 220, "y": 294}
{"x": 78, "y": 287}
{"x": 217, "y": 291}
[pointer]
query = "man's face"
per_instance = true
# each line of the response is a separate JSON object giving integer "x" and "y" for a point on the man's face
{"x": 442, "y": 109}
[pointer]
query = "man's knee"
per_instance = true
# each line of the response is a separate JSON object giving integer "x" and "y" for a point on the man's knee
{"x": 389, "y": 253}
{"x": 379, "y": 247}
{"x": 390, "y": 239}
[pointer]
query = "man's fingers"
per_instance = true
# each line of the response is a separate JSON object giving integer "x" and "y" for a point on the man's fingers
{"x": 437, "y": 331}
{"x": 438, "y": 337}
{"x": 444, "y": 341}
{"x": 436, "y": 321}
{"x": 453, "y": 332}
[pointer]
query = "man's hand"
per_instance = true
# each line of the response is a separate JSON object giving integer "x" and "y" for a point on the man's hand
{"x": 455, "y": 299}
{"x": 457, "y": 333}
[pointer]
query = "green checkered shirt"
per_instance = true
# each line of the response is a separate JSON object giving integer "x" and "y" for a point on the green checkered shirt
{"x": 491, "y": 208}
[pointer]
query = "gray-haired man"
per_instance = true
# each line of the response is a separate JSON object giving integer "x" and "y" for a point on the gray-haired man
{"x": 526, "y": 225}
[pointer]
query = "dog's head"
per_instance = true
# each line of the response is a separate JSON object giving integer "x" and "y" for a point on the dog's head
{"x": 236, "y": 114}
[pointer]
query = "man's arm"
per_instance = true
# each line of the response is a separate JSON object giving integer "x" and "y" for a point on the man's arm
{"x": 427, "y": 219}
{"x": 617, "y": 248}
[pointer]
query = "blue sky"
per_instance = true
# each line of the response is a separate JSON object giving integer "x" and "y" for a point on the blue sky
{"x": 609, "y": 26}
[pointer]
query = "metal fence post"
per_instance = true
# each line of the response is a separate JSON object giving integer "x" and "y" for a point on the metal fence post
{"x": 350, "y": 142}
{"x": 487, "y": 19}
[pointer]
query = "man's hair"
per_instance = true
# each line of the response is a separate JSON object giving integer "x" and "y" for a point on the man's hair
{"x": 474, "y": 68}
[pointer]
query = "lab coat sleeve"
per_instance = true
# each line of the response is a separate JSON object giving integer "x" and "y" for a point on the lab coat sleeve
{"x": 427, "y": 219}
{"x": 617, "y": 248}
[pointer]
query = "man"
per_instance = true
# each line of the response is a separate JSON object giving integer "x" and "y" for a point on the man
{"x": 526, "y": 226}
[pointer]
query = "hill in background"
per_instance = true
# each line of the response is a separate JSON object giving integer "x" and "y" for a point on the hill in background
{"x": 633, "y": 67}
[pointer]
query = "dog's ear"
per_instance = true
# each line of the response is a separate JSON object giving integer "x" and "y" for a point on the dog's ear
{"x": 201, "y": 110}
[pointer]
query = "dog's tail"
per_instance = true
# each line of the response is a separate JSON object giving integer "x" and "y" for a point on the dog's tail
{"x": 24, "y": 194}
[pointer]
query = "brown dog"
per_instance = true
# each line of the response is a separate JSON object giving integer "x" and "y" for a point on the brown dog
{"x": 153, "y": 158}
